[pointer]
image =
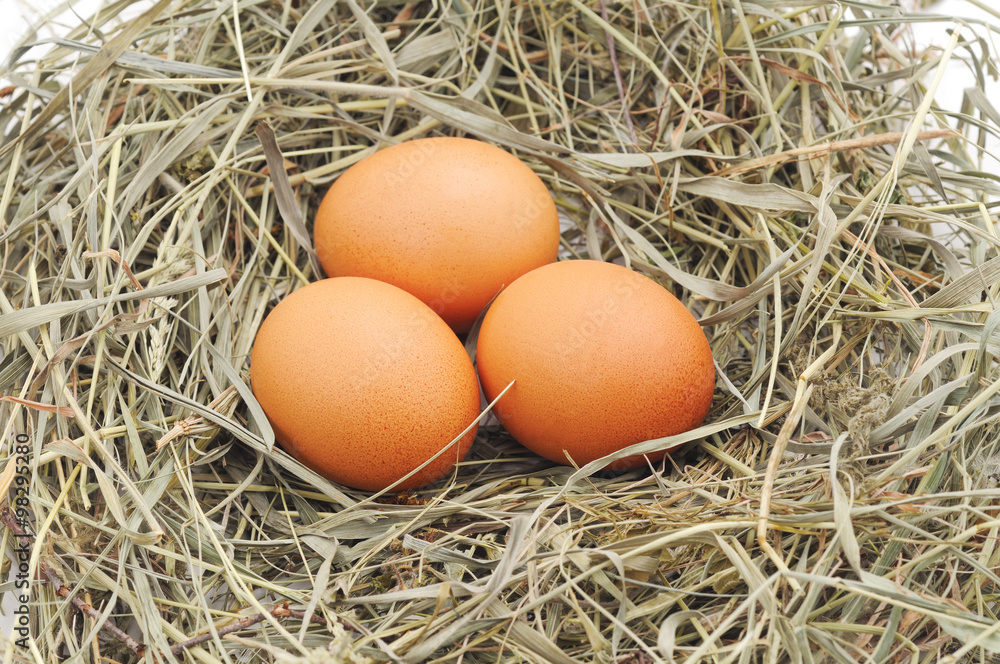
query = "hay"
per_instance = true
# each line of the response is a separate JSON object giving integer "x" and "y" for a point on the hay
{"x": 781, "y": 166}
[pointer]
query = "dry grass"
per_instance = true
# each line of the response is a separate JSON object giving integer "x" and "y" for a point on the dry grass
{"x": 781, "y": 166}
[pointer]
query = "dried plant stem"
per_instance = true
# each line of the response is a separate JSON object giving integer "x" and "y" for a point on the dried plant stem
{"x": 117, "y": 258}
{"x": 802, "y": 393}
{"x": 278, "y": 612}
{"x": 813, "y": 151}
{"x": 50, "y": 575}
{"x": 619, "y": 81}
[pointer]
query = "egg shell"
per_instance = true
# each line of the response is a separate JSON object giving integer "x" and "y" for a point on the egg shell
{"x": 602, "y": 358}
{"x": 362, "y": 383}
{"x": 450, "y": 220}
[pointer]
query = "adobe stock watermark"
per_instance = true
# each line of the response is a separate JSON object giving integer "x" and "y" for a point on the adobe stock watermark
{"x": 452, "y": 289}
{"x": 22, "y": 549}
{"x": 595, "y": 319}
{"x": 530, "y": 210}
{"x": 382, "y": 357}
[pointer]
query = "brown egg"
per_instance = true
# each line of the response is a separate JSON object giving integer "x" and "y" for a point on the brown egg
{"x": 450, "y": 220}
{"x": 362, "y": 383}
{"x": 602, "y": 358}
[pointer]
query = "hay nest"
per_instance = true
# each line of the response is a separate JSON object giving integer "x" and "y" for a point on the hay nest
{"x": 780, "y": 166}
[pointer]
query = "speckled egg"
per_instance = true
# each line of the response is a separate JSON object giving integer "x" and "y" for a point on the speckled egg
{"x": 602, "y": 358}
{"x": 450, "y": 220}
{"x": 362, "y": 383}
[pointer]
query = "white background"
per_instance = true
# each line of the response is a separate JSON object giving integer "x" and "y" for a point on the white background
{"x": 17, "y": 16}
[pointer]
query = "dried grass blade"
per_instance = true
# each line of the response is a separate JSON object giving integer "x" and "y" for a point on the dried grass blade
{"x": 762, "y": 196}
{"x": 842, "y": 504}
{"x": 25, "y": 319}
{"x": 375, "y": 39}
{"x": 480, "y": 123}
{"x": 283, "y": 193}
{"x": 144, "y": 60}
{"x": 971, "y": 284}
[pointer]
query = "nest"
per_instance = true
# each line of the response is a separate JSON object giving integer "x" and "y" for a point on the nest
{"x": 782, "y": 167}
